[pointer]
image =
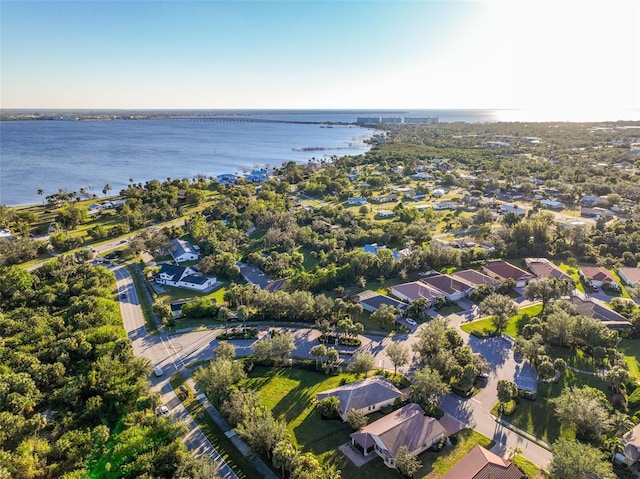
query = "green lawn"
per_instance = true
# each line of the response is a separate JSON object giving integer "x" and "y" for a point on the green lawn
{"x": 450, "y": 309}
{"x": 147, "y": 311}
{"x": 234, "y": 458}
{"x": 289, "y": 394}
{"x": 531, "y": 471}
{"x": 483, "y": 327}
{"x": 575, "y": 275}
{"x": 537, "y": 418}
{"x": 573, "y": 357}
{"x": 630, "y": 348}
{"x": 435, "y": 465}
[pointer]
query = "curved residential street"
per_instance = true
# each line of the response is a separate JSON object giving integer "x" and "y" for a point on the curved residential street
{"x": 174, "y": 352}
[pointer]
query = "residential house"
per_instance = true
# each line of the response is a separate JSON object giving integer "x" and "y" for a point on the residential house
{"x": 552, "y": 204}
{"x": 385, "y": 199}
{"x": 227, "y": 179}
{"x": 184, "y": 277}
{"x": 596, "y": 213}
{"x": 176, "y": 306}
{"x": 405, "y": 191}
{"x": 438, "y": 192}
{"x": 5, "y": 234}
{"x": 596, "y": 309}
{"x": 631, "y": 452}
{"x": 409, "y": 292}
{"x": 452, "y": 288}
{"x": 357, "y": 201}
{"x": 407, "y": 426}
{"x": 182, "y": 250}
{"x": 372, "y": 301}
{"x": 512, "y": 208}
{"x": 385, "y": 213}
{"x": 253, "y": 275}
{"x": 445, "y": 205}
{"x": 596, "y": 276}
{"x": 503, "y": 271}
{"x": 476, "y": 278}
{"x": 589, "y": 200}
{"x": 367, "y": 396}
{"x": 543, "y": 268}
{"x": 630, "y": 276}
{"x": 421, "y": 176}
{"x": 480, "y": 463}
{"x": 373, "y": 248}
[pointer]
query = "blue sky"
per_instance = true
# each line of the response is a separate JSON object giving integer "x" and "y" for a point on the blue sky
{"x": 320, "y": 54}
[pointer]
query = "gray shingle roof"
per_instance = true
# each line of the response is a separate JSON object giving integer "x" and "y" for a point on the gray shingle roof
{"x": 362, "y": 394}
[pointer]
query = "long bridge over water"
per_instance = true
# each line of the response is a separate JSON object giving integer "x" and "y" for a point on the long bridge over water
{"x": 244, "y": 119}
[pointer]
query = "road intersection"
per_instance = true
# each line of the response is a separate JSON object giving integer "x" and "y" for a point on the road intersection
{"x": 175, "y": 352}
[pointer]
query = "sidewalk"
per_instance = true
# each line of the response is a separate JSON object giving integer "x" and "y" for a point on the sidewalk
{"x": 259, "y": 465}
{"x": 523, "y": 433}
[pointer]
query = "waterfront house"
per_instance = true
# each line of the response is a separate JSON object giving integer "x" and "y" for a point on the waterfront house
{"x": 407, "y": 426}
{"x": 367, "y": 396}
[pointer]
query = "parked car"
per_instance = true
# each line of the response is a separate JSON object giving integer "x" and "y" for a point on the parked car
{"x": 183, "y": 391}
{"x": 411, "y": 322}
{"x": 163, "y": 411}
{"x": 157, "y": 370}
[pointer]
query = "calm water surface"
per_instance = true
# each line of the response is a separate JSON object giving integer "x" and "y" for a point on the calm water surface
{"x": 75, "y": 154}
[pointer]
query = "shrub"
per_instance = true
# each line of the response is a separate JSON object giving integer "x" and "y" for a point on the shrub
{"x": 634, "y": 399}
{"x": 329, "y": 407}
{"x": 509, "y": 408}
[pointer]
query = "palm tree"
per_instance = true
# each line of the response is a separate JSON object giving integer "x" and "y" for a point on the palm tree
{"x": 107, "y": 188}
{"x": 243, "y": 313}
{"x": 40, "y": 193}
{"x": 223, "y": 315}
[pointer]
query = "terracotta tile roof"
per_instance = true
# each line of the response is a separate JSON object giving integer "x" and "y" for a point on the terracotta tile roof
{"x": 481, "y": 463}
{"x": 505, "y": 270}
{"x": 543, "y": 268}
{"x": 631, "y": 274}
{"x": 597, "y": 273}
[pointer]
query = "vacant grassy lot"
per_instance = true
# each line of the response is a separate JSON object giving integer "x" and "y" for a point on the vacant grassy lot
{"x": 483, "y": 327}
{"x": 631, "y": 350}
{"x": 537, "y": 418}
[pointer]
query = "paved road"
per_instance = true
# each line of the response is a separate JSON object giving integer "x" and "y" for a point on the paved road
{"x": 161, "y": 351}
{"x": 173, "y": 352}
